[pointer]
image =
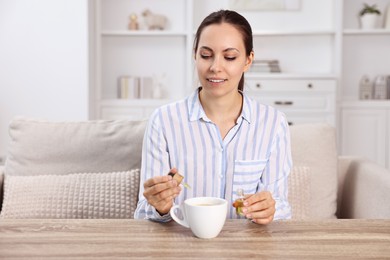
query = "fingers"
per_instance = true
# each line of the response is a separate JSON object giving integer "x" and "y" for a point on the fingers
{"x": 260, "y": 207}
{"x": 163, "y": 201}
{"x": 173, "y": 170}
{"x": 157, "y": 188}
{"x": 160, "y": 192}
{"x": 257, "y": 197}
{"x": 156, "y": 180}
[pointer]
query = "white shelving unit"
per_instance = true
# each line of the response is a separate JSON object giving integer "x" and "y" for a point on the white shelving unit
{"x": 143, "y": 53}
{"x": 364, "y": 124}
{"x": 364, "y": 52}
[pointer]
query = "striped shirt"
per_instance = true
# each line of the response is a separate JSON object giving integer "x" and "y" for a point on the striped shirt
{"x": 255, "y": 155}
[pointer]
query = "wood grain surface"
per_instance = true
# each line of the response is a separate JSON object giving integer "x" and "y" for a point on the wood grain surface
{"x": 110, "y": 239}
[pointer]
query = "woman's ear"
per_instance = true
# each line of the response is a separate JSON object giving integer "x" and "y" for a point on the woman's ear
{"x": 249, "y": 61}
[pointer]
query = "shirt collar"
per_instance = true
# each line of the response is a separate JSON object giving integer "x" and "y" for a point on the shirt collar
{"x": 196, "y": 112}
{"x": 246, "y": 110}
{"x": 195, "y": 109}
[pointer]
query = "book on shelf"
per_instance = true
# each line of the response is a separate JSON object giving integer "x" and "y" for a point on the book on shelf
{"x": 265, "y": 66}
{"x": 128, "y": 87}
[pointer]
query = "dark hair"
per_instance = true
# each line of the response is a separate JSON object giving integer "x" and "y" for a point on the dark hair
{"x": 235, "y": 19}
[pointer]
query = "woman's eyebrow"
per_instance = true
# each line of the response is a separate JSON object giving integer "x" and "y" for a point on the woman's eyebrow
{"x": 231, "y": 49}
{"x": 225, "y": 50}
{"x": 206, "y": 48}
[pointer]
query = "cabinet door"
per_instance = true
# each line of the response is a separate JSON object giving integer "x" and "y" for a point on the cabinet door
{"x": 364, "y": 133}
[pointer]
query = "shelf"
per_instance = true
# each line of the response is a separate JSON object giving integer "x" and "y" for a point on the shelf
{"x": 367, "y": 32}
{"x": 257, "y": 33}
{"x": 293, "y": 33}
{"x": 288, "y": 76}
{"x": 366, "y": 103}
{"x": 142, "y": 33}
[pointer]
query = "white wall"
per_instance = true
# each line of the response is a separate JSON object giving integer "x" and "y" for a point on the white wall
{"x": 43, "y": 61}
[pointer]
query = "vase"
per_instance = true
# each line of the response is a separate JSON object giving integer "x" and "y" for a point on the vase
{"x": 368, "y": 21}
{"x": 157, "y": 91}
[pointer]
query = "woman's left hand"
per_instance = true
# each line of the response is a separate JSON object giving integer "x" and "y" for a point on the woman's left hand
{"x": 259, "y": 207}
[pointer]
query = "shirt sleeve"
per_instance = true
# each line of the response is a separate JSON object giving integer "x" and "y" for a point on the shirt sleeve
{"x": 155, "y": 162}
{"x": 276, "y": 173}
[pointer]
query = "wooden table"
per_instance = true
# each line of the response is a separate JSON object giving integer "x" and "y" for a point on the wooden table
{"x": 239, "y": 239}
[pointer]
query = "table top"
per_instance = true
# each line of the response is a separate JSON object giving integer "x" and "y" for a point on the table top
{"x": 114, "y": 238}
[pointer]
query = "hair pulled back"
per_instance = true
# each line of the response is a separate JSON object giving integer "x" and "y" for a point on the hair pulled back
{"x": 236, "y": 20}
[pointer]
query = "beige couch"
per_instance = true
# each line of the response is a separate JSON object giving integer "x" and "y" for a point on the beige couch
{"x": 91, "y": 170}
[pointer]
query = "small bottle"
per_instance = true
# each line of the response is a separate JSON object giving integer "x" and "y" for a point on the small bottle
{"x": 239, "y": 203}
{"x": 179, "y": 178}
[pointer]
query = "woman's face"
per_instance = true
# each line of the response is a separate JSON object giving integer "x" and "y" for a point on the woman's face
{"x": 221, "y": 59}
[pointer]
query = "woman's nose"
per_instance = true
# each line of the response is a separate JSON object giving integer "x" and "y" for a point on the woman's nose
{"x": 216, "y": 65}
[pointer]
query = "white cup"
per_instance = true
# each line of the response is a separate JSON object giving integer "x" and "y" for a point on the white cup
{"x": 205, "y": 216}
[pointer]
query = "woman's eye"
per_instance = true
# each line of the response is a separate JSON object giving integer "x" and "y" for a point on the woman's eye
{"x": 205, "y": 56}
{"x": 230, "y": 58}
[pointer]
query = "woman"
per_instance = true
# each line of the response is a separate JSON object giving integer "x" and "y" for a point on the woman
{"x": 218, "y": 138}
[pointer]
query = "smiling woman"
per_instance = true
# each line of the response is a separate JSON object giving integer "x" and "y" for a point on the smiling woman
{"x": 218, "y": 138}
{"x": 222, "y": 64}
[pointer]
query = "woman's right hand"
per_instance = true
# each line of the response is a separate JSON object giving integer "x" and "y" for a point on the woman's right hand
{"x": 160, "y": 192}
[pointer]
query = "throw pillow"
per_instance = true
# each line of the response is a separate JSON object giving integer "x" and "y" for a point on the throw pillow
{"x": 41, "y": 147}
{"x": 299, "y": 192}
{"x": 78, "y": 195}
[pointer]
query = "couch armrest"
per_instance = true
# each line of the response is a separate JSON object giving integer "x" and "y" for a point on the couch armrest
{"x": 364, "y": 189}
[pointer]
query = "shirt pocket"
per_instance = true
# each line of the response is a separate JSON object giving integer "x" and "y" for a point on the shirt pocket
{"x": 247, "y": 175}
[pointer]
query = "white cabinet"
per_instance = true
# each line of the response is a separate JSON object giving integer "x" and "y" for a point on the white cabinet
{"x": 365, "y": 131}
{"x": 302, "y": 100}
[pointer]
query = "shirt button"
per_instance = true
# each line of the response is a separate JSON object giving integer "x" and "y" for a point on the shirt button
{"x": 221, "y": 176}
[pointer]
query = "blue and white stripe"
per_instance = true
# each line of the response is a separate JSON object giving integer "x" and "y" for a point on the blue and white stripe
{"x": 255, "y": 155}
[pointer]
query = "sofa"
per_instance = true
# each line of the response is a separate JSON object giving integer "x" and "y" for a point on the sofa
{"x": 90, "y": 169}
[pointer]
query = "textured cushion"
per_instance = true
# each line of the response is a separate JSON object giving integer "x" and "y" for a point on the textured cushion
{"x": 299, "y": 192}
{"x": 79, "y": 195}
{"x": 314, "y": 146}
{"x": 40, "y": 147}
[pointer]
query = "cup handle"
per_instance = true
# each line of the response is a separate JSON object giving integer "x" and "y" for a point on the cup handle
{"x": 176, "y": 218}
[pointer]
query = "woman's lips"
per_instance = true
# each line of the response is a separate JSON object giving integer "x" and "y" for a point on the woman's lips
{"x": 216, "y": 80}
